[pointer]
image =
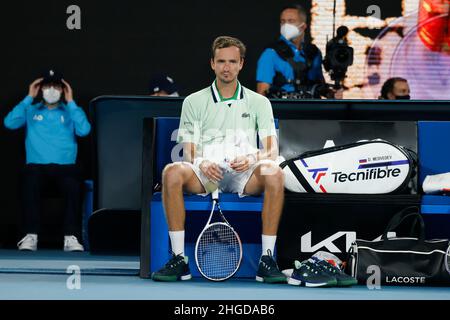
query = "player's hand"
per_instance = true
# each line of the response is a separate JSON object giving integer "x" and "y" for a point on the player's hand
{"x": 68, "y": 93}
{"x": 33, "y": 90}
{"x": 211, "y": 170}
{"x": 241, "y": 163}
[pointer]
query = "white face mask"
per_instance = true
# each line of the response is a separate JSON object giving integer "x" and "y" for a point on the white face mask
{"x": 51, "y": 95}
{"x": 290, "y": 31}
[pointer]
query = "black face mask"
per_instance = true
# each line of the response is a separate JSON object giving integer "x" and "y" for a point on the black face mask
{"x": 407, "y": 97}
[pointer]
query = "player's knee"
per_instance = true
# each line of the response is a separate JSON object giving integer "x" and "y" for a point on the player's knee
{"x": 172, "y": 174}
{"x": 269, "y": 169}
{"x": 273, "y": 175}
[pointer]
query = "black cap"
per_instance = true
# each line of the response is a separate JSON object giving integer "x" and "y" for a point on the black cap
{"x": 52, "y": 76}
{"x": 162, "y": 82}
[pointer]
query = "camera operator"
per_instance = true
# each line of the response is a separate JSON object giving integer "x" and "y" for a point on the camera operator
{"x": 292, "y": 67}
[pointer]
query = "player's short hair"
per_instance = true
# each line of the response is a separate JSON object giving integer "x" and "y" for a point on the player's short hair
{"x": 301, "y": 11}
{"x": 388, "y": 86}
{"x": 226, "y": 42}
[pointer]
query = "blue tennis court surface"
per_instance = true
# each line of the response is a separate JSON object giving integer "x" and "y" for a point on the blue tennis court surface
{"x": 45, "y": 286}
{"x": 57, "y": 262}
{"x": 43, "y": 275}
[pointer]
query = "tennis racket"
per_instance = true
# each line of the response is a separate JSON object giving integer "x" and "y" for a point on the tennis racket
{"x": 218, "y": 250}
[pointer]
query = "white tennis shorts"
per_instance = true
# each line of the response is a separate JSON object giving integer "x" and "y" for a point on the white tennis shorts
{"x": 232, "y": 181}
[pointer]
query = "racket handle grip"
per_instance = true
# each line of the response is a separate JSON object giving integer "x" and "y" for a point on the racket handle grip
{"x": 210, "y": 186}
{"x": 215, "y": 194}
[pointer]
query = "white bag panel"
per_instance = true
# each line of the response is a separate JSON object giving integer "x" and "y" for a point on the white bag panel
{"x": 372, "y": 168}
{"x": 291, "y": 182}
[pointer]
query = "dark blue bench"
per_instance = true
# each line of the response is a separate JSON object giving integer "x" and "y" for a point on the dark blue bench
{"x": 434, "y": 155}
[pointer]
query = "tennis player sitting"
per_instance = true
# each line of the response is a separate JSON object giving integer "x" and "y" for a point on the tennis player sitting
{"x": 218, "y": 129}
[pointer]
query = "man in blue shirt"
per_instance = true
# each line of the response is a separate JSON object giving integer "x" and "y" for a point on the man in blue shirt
{"x": 51, "y": 151}
{"x": 292, "y": 66}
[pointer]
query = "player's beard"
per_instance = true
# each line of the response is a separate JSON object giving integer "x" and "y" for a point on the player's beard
{"x": 227, "y": 80}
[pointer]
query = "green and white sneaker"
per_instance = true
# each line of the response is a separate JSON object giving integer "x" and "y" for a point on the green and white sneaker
{"x": 308, "y": 274}
{"x": 343, "y": 279}
{"x": 268, "y": 270}
{"x": 177, "y": 268}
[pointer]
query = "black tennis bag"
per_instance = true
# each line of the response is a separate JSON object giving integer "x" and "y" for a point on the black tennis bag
{"x": 410, "y": 260}
{"x": 366, "y": 167}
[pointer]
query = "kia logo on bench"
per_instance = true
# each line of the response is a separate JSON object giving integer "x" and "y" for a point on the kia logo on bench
{"x": 307, "y": 246}
{"x": 328, "y": 243}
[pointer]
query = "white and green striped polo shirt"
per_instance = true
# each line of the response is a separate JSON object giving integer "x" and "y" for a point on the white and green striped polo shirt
{"x": 214, "y": 124}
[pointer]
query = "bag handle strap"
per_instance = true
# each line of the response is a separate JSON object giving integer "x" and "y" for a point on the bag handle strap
{"x": 421, "y": 231}
{"x": 403, "y": 215}
{"x": 395, "y": 220}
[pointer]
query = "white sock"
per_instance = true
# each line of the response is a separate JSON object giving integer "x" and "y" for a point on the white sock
{"x": 268, "y": 243}
{"x": 177, "y": 242}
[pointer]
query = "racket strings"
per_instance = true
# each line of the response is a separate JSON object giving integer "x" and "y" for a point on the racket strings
{"x": 218, "y": 252}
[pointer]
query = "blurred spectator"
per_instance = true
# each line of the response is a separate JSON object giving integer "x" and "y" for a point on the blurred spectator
{"x": 395, "y": 89}
{"x": 51, "y": 151}
{"x": 163, "y": 85}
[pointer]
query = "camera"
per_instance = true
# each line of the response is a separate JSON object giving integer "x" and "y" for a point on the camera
{"x": 298, "y": 94}
{"x": 339, "y": 56}
{"x": 316, "y": 91}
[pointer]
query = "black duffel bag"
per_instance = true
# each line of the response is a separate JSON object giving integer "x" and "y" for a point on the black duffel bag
{"x": 402, "y": 260}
